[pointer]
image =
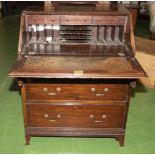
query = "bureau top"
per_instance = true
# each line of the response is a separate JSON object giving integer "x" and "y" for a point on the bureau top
{"x": 78, "y": 10}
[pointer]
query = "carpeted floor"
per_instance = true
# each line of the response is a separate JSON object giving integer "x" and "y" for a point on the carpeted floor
{"x": 140, "y": 133}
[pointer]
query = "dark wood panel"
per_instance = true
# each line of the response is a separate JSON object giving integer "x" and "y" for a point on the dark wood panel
{"x": 105, "y": 92}
{"x": 75, "y": 116}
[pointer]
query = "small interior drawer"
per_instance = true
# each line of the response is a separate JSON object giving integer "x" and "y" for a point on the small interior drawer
{"x": 109, "y": 20}
{"x": 76, "y": 20}
{"x": 102, "y": 92}
{"x": 75, "y": 116}
{"x": 43, "y": 19}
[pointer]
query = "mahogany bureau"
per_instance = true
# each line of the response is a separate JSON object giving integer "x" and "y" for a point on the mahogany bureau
{"x": 75, "y": 65}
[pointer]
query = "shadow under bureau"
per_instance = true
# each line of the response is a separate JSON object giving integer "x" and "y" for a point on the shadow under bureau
{"x": 75, "y": 69}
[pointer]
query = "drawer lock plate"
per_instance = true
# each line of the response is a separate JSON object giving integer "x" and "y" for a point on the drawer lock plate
{"x": 78, "y": 72}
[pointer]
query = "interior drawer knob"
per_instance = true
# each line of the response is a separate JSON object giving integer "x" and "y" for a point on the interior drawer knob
{"x": 104, "y": 116}
{"x": 45, "y": 89}
{"x": 91, "y": 116}
{"x": 58, "y": 89}
{"x": 93, "y": 89}
{"x": 106, "y": 89}
{"x": 46, "y": 116}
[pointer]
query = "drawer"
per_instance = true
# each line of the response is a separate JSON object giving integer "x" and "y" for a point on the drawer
{"x": 76, "y": 20}
{"x": 109, "y": 20}
{"x": 43, "y": 19}
{"x": 45, "y": 115}
{"x": 105, "y": 92}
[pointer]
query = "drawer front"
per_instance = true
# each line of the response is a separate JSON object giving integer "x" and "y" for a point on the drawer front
{"x": 75, "y": 116}
{"x": 43, "y": 19}
{"x": 109, "y": 20}
{"x": 106, "y": 92}
{"x": 76, "y": 20}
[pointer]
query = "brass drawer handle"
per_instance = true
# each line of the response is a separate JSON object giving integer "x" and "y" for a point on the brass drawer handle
{"x": 52, "y": 94}
{"x": 98, "y": 121}
{"x": 52, "y": 120}
{"x": 99, "y": 95}
{"x": 47, "y": 116}
{"x": 58, "y": 89}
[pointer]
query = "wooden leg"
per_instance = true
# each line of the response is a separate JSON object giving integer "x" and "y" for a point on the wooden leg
{"x": 27, "y": 138}
{"x": 120, "y": 139}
